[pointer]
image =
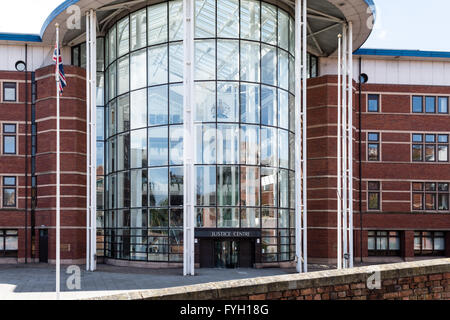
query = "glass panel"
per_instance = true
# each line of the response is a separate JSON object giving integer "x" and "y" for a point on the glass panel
{"x": 291, "y": 36}
{"x": 227, "y": 60}
{"x": 374, "y": 201}
{"x": 430, "y": 138}
{"x": 372, "y": 185}
{"x": 283, "y": 29}
{"x": 443, "y": 202}
{"x": 417, "y": 152}
{"x": 205, "y": 18}
{"x": 138, "y": 102}
{"x": 123, "y": 192}
{"x": 176, "y": 145}
{"x": 138, "y": 188}
{"x": 176, "y": 186}
{"x": 112, "y": 81}
{"x": 227, "y": 144}
{"x": 283, "y": 107}
{"x": 373, "y": 152}
{"x": 283, "y": 148}
{"x": 430, "y": 104}
{"x": 269, "y": 23}
{"x": 157, "y": 65}
{"x": 206, "y": 218}
{"x": 206, "y": 185}
{"x": 283, "y": 69}
{"x": 371, "y": 243}
{"x": 176, "y": 29}
{"x": 439, "y": 244}
{"x": 123, "y": 147}
{"x": 268, "y": 106}
{"x": 158, "y": 153}
{"x": 443, "y": 105}
{"x": 228, "y": 186}
{"x": 228, "y": 102}
{"x": 112, "y": 44}
{"x": 249, "y": 147}
{"x": 443, "y": 186}
{"x": 205, "y": 59}
{"x": 250, "y": 60}
{"x": 228, "y": 19}
{"x": 138, "y": 64}
{"x": 123, "y": 113}
{"x": 176, "y": 58}
{"x": 157, "y": 23}
{"x": 138, "y": 148}
{"x": 123, "y": 77}
{"x": 443, "y": 138}
{"x": 9, "y": 197}
{"x": 158, "y": 187}
{"x": 269, "y": 148}
{"x": 158, "y": 218}
{"x": 382, "y": 243}
{"x": 417, "y": 201}
{"x": 417, "y": 104}
{"x": 9, "y": 144}
{"x": 250, "y": 103}
{"x": 9, "y": 128}
{"x": 205, "y": 101}
{"x": 176, "y": 103}
{"x": 250, "y": 19}
{"x": 158, "y": 105}
{"x": 373, "y": 103}
{"x": 249, "y": 186}
{"x": 283, "y": 180}
{"x": 430, "y": 201}
{"x": 206, "y": 144}
{"x": 373, "y": 137}
{"x": 430, "y": 153}
{"x": 443, "y": 153}
{"x": 417, "y": 186}
{"x": 138, "y": 29}
{"x": 269, "y": 187}
{"x": 268, "y": 65}
{"x": 176, "y": 218}
{"x": 269, "y": 219}
{"x": 250, "y": 218}
{"x": 123, "y": 34}
{"x": 228, "y": 218}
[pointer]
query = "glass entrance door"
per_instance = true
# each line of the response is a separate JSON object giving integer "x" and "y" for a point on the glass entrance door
{"x": 226, "y": 254}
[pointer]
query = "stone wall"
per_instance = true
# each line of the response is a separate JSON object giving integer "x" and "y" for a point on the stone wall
{"x": 420, "y": 280}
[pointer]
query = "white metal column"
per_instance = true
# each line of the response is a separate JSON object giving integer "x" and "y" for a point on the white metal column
{"x": 91, "y": 148}
{"x": 300, "y": 135}
{"x": 189, "y": 140}
{"x": 350, "y": 143}
{"x": 339, "y": 159}
{"x": 344, "y": 147}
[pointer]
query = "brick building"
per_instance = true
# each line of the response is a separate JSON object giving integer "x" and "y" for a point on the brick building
{"x": 245, "y": 204}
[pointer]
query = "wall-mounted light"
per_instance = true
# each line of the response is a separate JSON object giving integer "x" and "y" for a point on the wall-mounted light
{"x": 363, "y": 78}
{"x": 21, "y": 66}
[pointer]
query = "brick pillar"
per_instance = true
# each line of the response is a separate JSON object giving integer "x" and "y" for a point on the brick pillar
{"x": 407, "y": 242}
{"x": 73, "y": 162}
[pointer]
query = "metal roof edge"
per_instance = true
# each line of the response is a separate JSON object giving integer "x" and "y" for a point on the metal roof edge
{"x": 402, "y": 53}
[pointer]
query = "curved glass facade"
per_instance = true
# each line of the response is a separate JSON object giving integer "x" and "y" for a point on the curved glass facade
{"x": 244, "y": 111}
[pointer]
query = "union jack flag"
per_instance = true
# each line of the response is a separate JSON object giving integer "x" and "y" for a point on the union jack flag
{"x": 59, "y": 68}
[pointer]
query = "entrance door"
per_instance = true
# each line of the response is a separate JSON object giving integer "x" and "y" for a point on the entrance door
{"x": 246, "y": 254}
{"x": 43, "y": 246}
{"x": 227, "y": 254}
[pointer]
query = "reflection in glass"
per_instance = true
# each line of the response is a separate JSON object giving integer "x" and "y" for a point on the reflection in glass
{"x": 158, "y": 149}
{"x": 158, "y": 104}
{"x": 205, "y": 101}
{"x": 138, "y": 102}
{"x": 157, "y": 24}
{"x": 227, "y": 60}
{"x": 269, "y": 23}
{"x": 157, "y": 65}
{"x": 249, "y": 146}
{"x": 268, "y": 65}
{"x": 176, "y": 103}
{"x": 228, "y": 186}
{"x": 250, "y": 103}
{"x": 176, "y": 58}
{"x": 228, "y": 218}
{"x": 205, "y": 22}
{"x": 249, "y": 186}
{"x": 138, "y": 63}
{"x": 228, "y": 19}
{"x": 138, "y": 29}
{"x": 228, "y": 102}
{"x": 176, "y": 186}
{"x": 138, "y": 148}
{"x": 250, "y": 57}
{"x": 123, "y": 37}
{"x": 206, "y": 185}
{"x": 158, "y": 187}
{"x": 250, "y": 19}
{"x": 227, "y": 144}
{"x": 176, "y": 145}
{"x": 205, "y": 60}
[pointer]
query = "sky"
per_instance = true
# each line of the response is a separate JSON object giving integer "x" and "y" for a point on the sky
{"x": 400, "y": 24}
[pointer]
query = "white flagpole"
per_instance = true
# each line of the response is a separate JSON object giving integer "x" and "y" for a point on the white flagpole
{"x": 57, "y": 168}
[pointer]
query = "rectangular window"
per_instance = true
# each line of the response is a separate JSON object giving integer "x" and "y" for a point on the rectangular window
{"x": 430, "y": 196}
{"x": 443, "y": 105}
{"x": 9, "y": 192}
{"x": 429, "y": 243}
{"x": 384, "y": 243}
{"x": 417, "y": 104}
{"x": 430, "y": 104}
{"x": 373, "y": 195}
{"x": 373, "y": 103}
{"x": 9, "y": 139}
{"x": 434, "y": 148}
{"x": 9, "y": 91}
{"x": 8, "y": 243}
{"x": 373, "y": 147}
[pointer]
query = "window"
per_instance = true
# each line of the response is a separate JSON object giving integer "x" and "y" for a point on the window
{"x": 9, "y": 139}
{"x": 9, "y": 91}
{"x": 373, "y": 147}
{"x": 373, "y": 195}
{"x": 430, "y": 196}
{"x": 429, "y": 243}
{"x": 432, "y": 104}
{"x": 434, "y": 147}
{"x": 373, "y": 103}
{"x": 9, "y": 192}
{"x": 384, "y": 243}
{"x": 443, "y": 105}
{"x": 8, "y": 243}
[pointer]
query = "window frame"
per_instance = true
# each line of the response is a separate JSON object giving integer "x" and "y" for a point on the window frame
{"x": 433, "y": 252}
{"x": 9, "y": 85}
{"x": 435, "y": 192}
{"x": 386, "y": 252}
{"x": 5, "y": 187}
{"x": 374, "y": 142}
{"x": 8, "y": 134}
{"x": 378, "y": 99}
{"x": 377, "y": 192}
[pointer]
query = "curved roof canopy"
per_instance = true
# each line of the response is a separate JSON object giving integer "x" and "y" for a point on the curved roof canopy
{"x": 325, "y": 19}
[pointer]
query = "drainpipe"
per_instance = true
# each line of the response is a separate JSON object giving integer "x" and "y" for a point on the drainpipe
{"x": 360, "y": 169}
{"x": 26, "y": 153}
